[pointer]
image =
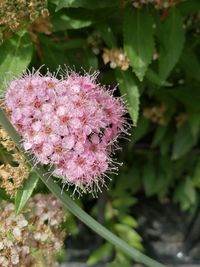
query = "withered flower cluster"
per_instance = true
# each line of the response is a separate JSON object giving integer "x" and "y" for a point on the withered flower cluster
{"x": 32, "y": 238}
{"x": 13, "y": 168}
{"x": 155, "y": 113}
{"x": 16, "y": 14}
{"x": 116, "y": 57}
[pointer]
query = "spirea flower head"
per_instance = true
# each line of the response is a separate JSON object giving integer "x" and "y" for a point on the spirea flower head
{"x": 69, "y": 123}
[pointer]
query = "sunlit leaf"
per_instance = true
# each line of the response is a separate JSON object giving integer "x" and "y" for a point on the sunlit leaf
{"x": 90, "y": 4}
{"x": 129, "y": 90}
{"x": 24, "y": 193}
{"x": 99, "y": 254}
{"x": 15, "y": 56}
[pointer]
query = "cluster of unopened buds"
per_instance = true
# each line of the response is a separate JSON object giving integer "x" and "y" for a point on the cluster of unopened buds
{"x": 72, "y": 124}
{"x": 95, "y": 42}
{"x": 158, "y": 4}
{"x": 191, "y": 23}
{"x": 155, "y": 113}
{"x": 33, "y": 237}
{"x": 116, "y": 57}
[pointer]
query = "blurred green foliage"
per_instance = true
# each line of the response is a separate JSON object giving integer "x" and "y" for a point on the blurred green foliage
{"x": 161, "y": 87}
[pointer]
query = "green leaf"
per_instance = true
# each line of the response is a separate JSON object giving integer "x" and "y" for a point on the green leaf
{"x": 196, "y": 175}
{"x": 72, "y": 20}
{"x": 185, "y": 194}
{"x": 161, "y": 130}
{"x": 141, "y": 130}
{"x": 73, "y": 53}
{"x": 78, "y": 18}
{"x": 129, "y": 89}
{"x": 190, "y": 63}
{"x": 107, "y": 35}
{"x": 188, "y": 95}
{"x": 99, "y": 254}
{"x": 149, "y": 178}
{"x": 159, "y": 134}
{"x": 165, "y": 146}
{"x": 138, "y": 39}
{"x": 189, "y": 7}
{"x": 90, "y": 4}
{"x": 165, "y": 174}
{"x": 129, "y": 220}
{"x": 120, "y": 260}
{"x": 15, "y": 56}
{"x": 130, "y": 235}
{"x": 172, "y": 39}
{"x": 154, "y": 78}
{"x": 194, "y": 121}
{"x": 3, "y": 195}
{"x": 53, "y": 53}
{"x": 183, "y": 141}
{"x": 90, "y": 60}
{"x": 23, "y": 194}
{"x": 74, "y": 208}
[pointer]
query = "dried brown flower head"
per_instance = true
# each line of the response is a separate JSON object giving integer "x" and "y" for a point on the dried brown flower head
{"x": 42, "y": 25}
{"x": 13, "y": 170}
{"x": 33, "y": 237}
{"x": 155, "y": 113}
{"x": 116, "y": 57}
{"x": 15, "y": 15}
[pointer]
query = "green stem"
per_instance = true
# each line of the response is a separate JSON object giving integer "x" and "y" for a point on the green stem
{"x": 75, "y": 209}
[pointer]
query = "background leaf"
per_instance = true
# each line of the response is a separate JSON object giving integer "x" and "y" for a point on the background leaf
{"x": 171, "y": 37}
{"x": 90, "y": 4}
{"x": 188, "y": 95}
{"x": 183, "y": 141}
{"x": 155, "y": 78}
{"x": 149, "y": 179}
{"x": 3, "y": 195}
{"x": 15, "y": 56}
{"x": 107, "y": 34}
{"x": 190, "y": 63}
{"x": 71, "y": 52}
{"x": 23, "y": 194}
{"x": 138, "y": 39}
{"x": 185, "y": 193}
{"x": 189, "y": 7}
{"x": 101, "y": 253}
{"x": 196, "y": 175}
{"x": 129, "y": 89}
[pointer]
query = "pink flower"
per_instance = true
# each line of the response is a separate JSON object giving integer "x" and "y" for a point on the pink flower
{"x": 69, "y": 123}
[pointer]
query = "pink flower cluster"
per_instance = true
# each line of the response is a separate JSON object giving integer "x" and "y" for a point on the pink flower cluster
{"x": 69, "y": 123}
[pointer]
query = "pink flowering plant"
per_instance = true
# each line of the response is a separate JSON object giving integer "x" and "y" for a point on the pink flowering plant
{"x": 64, "y": 132}
{"x": 71, "y": 124}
